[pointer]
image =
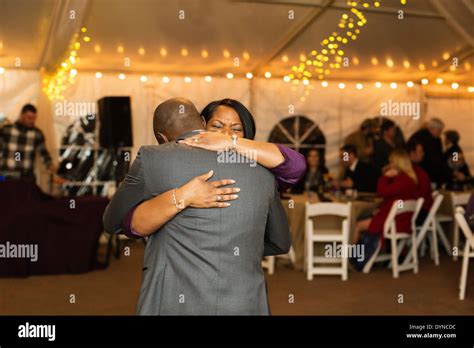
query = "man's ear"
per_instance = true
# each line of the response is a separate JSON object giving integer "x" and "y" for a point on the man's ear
{"x": 203, "y": 122}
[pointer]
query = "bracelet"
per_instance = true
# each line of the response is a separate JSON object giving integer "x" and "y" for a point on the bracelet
{"x": 179, "y": 204}
{"x": 234, "y": 141}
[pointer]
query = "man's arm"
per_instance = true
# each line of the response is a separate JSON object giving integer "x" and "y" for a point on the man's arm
{"x": 43, "y": 151}
{"x": 130, "y": 192}
{"x": 277, "y": 238}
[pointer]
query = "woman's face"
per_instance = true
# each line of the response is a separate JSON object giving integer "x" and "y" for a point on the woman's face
{"x": 313, "y": 159}
{"x": 225, "y": 120}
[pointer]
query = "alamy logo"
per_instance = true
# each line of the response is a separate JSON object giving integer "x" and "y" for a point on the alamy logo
{"x": 19, "y": 251}
{"x": 391, "y": 108}
{"x": 76, "y": 109}
{"x": 37, "y": 331}
{"x": 249, "y": 157}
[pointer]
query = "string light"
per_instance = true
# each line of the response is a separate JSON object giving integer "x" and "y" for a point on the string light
{"x": 165, "y": 79}
{"x": 141, "y": 51}
{"x": 229, "y": 76}
{"x": 121, "y": 76}
{"x": 184, "y": 52}
{"x": 410, "y": 84}
{"x": 143, "y": 78}
{"x": 424, "y": 81}
{"x": 163, "y": 52}
{"x": 268, "y": 74}
{"x": 120, "y": 49}
{"x": 439, "y": 80}
{"x": 2, "y": 71}
{"x": 454, "y": 85}
{"x": 286, "y": 79}
{"x": 98, "y": 75}
{"x": 342, "y": 85}
{"x": 324, "y": 84}
{"x": 187, "y": 79}
{"x": 470, "y": 89}
{"x": 359, "y": 86}
{"x": 378, "y": 84}
{"x": 393, "y": 85}
{"x": 249, "y": 75}
{"x": 55, "y": 83}
{"x": 208, "y": 78}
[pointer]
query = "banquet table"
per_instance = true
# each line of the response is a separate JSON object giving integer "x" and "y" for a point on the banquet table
{"x": 66, "y": 236}
{"x": 295, "y": 208}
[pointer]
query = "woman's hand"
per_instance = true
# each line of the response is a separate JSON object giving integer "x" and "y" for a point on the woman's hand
{"x": 199, "y": 193}
{"x": 213, "y": 141}
{"x": 391, "y": 172}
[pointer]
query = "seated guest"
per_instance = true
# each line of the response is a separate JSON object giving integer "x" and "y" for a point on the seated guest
{"x": 433, "y": 162}
{"x": 357, "y": 174}
{"x": 457, "y": 168}
{"x": 386, "y": 144}
{"x": 398, "y": 182}
{"x": 469, "y": 215}
{"x": 416, "y": 154}
{"x": 363, "y": 140}
{"x": 313, "y": 179}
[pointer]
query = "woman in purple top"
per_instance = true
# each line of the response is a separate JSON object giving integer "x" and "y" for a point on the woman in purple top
{"x": 224, "y": 119}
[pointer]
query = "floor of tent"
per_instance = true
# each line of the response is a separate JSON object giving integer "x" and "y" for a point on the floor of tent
{"x": 114, "y": 291}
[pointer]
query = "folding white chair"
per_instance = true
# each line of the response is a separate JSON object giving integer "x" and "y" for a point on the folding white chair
{"x": 327, "y": 235}
{"x": 429, "y": 225}
{"x": 468, "y": 250}
{"x": 459, "y": 199}
{"x": 268, "y": 263}
{"x": 390, "y": 232}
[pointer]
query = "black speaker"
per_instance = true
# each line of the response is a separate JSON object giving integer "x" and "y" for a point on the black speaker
{"x": 115, "y": 122}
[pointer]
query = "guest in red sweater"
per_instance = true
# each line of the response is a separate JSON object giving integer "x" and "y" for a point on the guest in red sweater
{"x": 399, "y": 181}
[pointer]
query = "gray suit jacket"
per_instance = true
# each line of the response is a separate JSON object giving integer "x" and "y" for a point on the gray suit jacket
{"x": 204, "y": 261}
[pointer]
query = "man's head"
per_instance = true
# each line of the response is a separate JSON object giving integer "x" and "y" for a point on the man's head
{"x": 348, "y": 154}
{"x": 28, "y": 115}
{"x": 388, "y": 129}
{"x": 312, "y": 158}
{"x": 435, "y": 127}
{"x": 174, "y": 117}
{"x": 451, "y": 137}
{"x": 366, "y": 126}
{"x": 415, "y": 151}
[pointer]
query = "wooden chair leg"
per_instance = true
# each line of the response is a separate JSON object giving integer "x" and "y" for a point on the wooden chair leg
{"x": 394, "y": 253}
{"x": 434, "y": 241}
{"x": 465, "y": 265}
{"x": 456, "y": 241}
{"x": 309, "y": 259}
{"x": 415, "y": 254}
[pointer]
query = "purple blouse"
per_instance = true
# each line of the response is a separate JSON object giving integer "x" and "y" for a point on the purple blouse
{"x": 287, "y": 174}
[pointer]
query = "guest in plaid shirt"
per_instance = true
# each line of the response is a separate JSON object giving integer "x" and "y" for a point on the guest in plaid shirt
{"x": 19, "y": 143}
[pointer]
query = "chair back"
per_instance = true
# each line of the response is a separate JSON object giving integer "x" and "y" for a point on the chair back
{"x": 328, "y": 208}
{"x": 460, "y": 198}
{"x": 400, "y": 207}
{"x": 438, "y": 199}
{"x": 461, "y": 220}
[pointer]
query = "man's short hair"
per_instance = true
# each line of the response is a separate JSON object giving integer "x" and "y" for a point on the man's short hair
{"x": 350, "y": 148}
{"x": 27, "y": 108}
{"x": 411, "y": 146}
{"x": 386, "y": 125}
{"x": 435, "y": 123}
{"x": 452, "y": 136}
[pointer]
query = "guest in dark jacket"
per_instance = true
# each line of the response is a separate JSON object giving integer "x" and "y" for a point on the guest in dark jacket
{"x": 313, "y": 179}
{"x": 416, "y": 154}
{"x": 457, "y": 168}
{"x": 357, "y": 175}
{"x": 386, "y": 144}
{"x": 434, "y": 161}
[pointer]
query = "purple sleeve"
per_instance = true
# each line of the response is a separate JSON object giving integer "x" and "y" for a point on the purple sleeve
{"x": 127, "y": 225}
{"x": 291, "y": 170}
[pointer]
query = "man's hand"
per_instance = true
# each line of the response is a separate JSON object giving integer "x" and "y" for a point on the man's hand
{"x": 347, "y": 183}
{"x": 199, "y": 193}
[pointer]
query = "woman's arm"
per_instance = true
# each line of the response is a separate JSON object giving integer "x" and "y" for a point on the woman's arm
{"x": 286, "y": 164}
{"x": 197, "y": 193}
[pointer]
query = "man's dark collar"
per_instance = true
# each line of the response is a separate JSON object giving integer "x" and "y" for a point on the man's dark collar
{"x": 189, "y": 134}
{"x": 21, "y": 126}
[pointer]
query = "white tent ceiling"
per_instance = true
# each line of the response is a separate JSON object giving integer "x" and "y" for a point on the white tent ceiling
{"x": 38, "y": 32}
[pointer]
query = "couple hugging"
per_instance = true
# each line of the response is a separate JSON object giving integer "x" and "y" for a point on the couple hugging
{"x": 209, "y": 223}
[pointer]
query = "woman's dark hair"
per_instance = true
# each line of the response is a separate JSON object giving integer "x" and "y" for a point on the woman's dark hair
{"x": 452, "y": 136}
{"x": 248, "y": 123}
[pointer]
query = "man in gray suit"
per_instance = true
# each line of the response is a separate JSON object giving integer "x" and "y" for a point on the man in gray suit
{"x": 202, "y": 261}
